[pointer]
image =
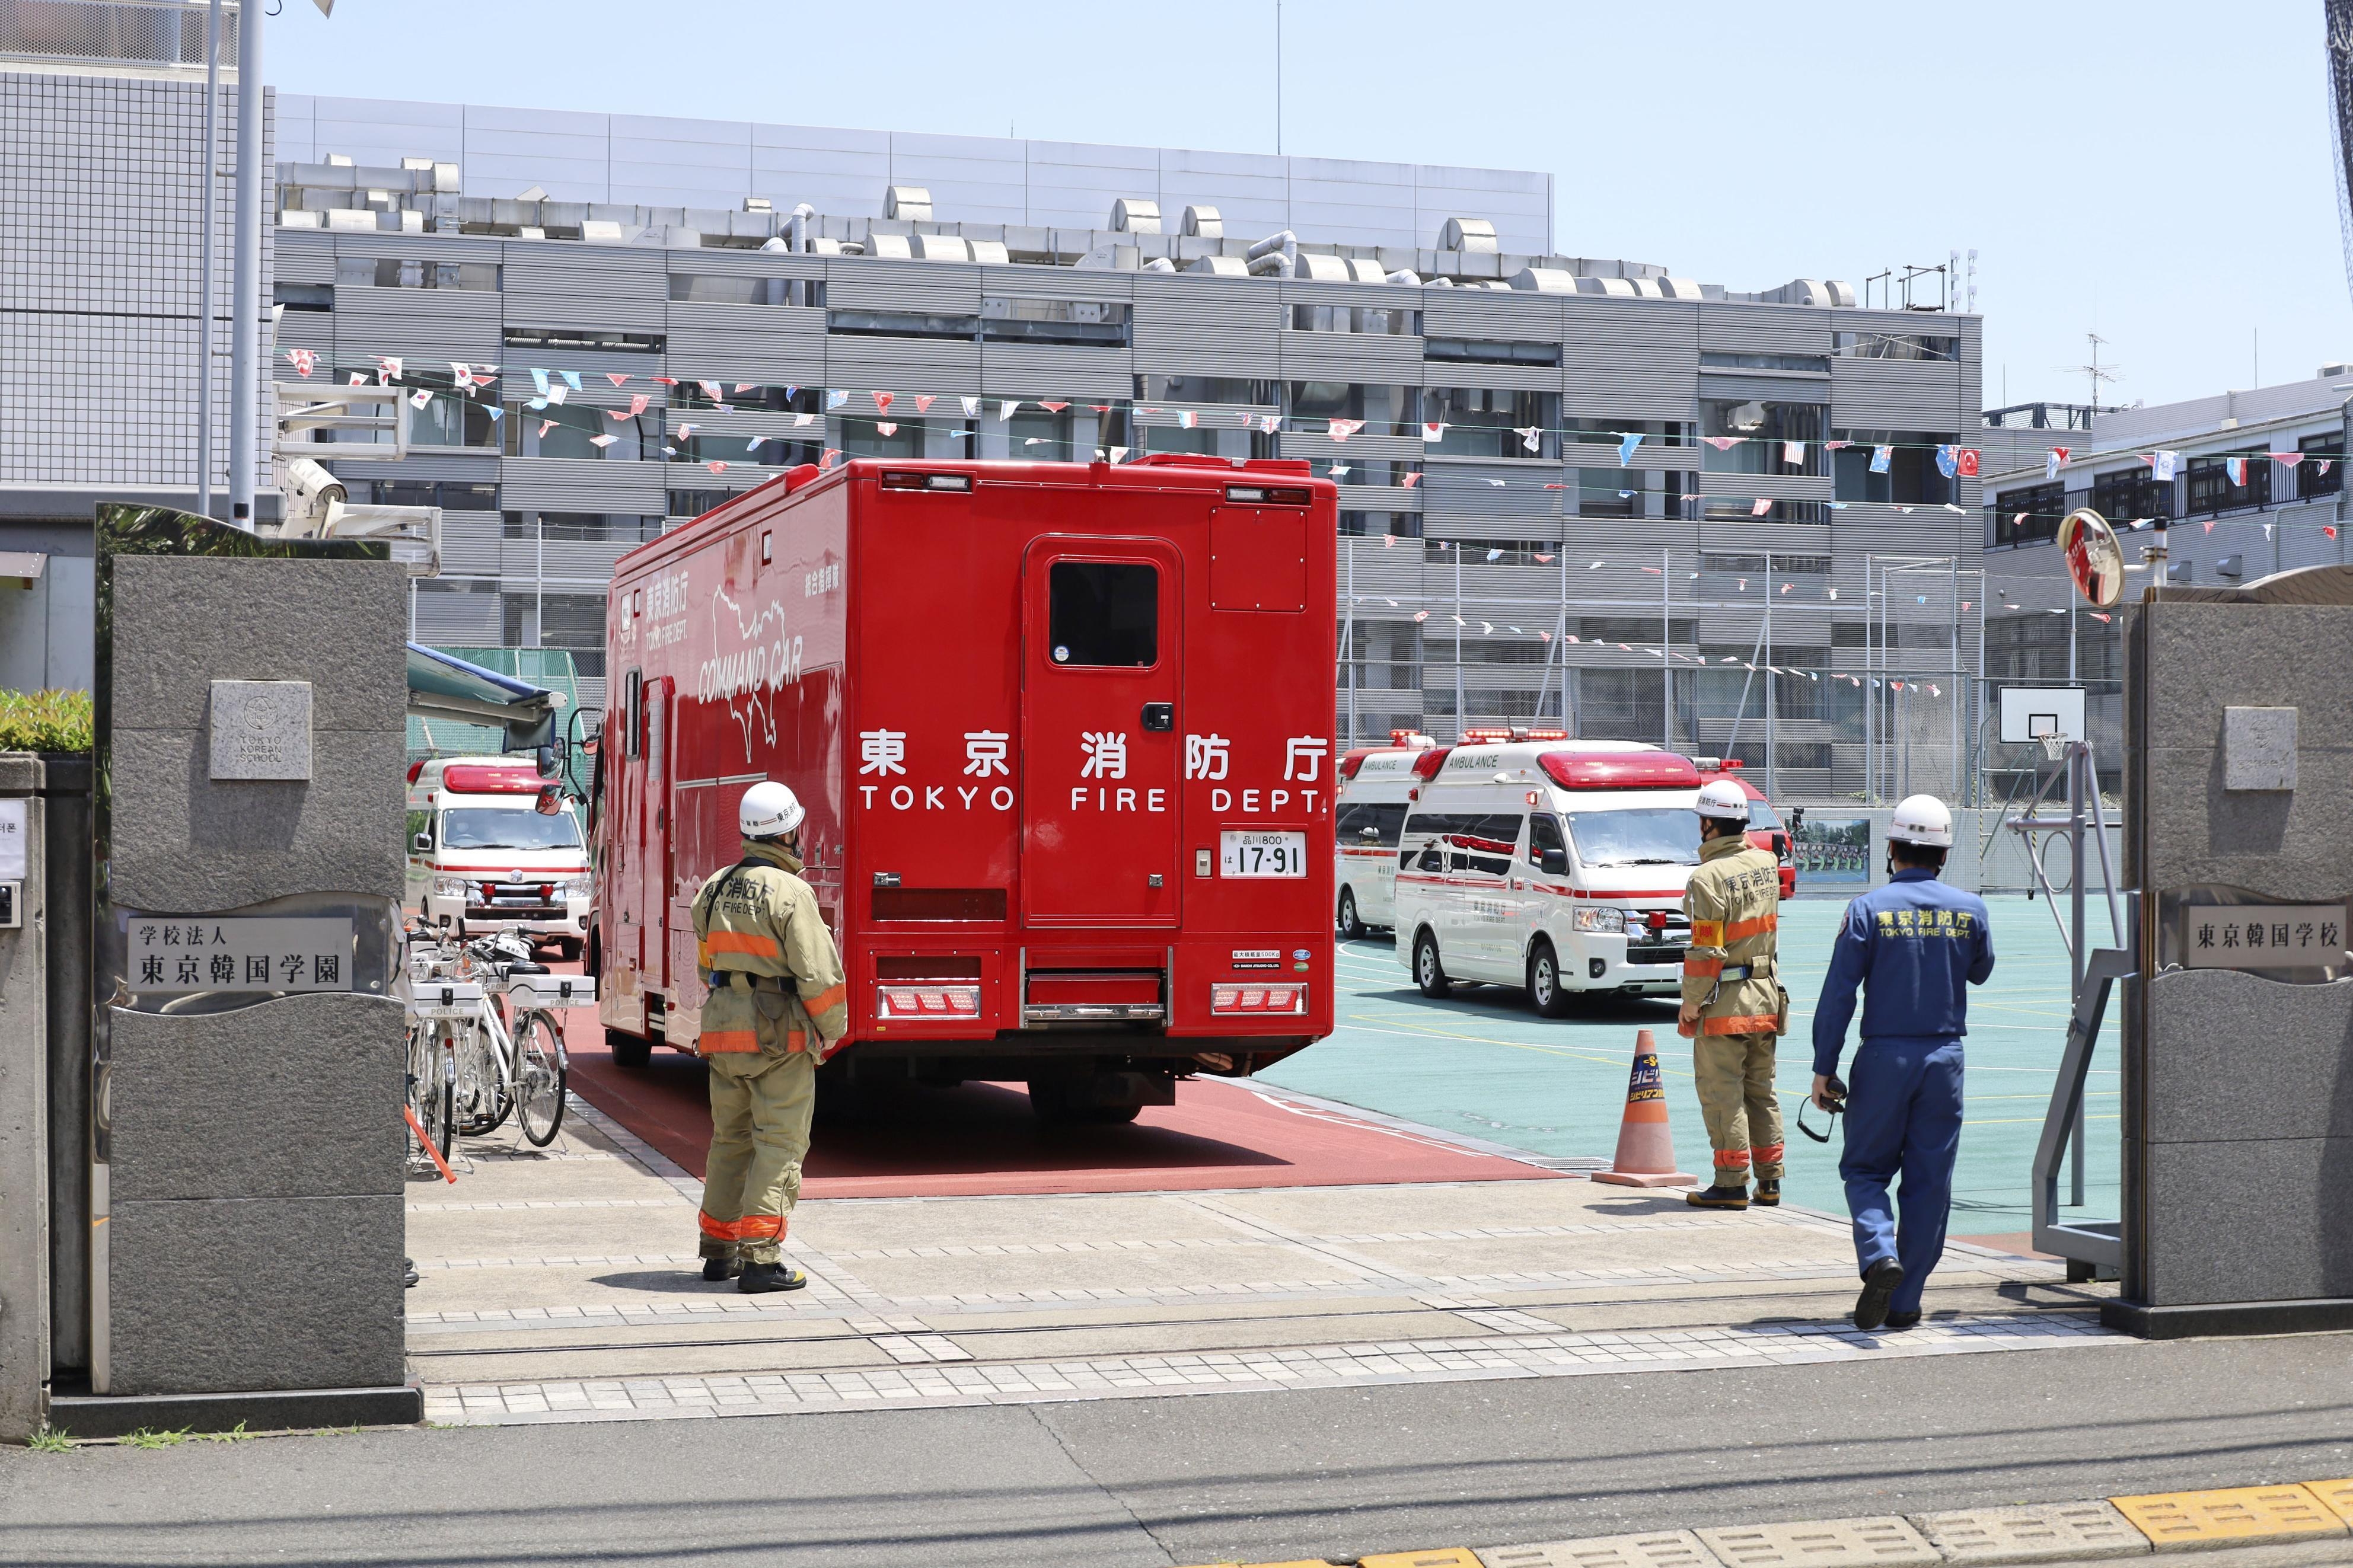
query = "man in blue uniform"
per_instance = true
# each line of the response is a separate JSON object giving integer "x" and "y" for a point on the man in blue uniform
{"x": 1912, "y": 946}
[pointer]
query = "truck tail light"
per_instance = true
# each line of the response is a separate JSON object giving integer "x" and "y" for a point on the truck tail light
{"x": 1266, "y": 495}
{"x": 917, "y": 480}
{"x": 1259, "y": 1001}
{"x": 902, "y": 1001}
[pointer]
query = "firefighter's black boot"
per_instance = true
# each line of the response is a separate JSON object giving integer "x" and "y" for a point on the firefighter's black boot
{"x": 717, "y": 1269}
{"x": 1898, "y": 1321}
{"x": 1769, "y": 1192}
{"x": 759, "y": 1279}
{"x": 1880, "y": 1283}
{"x": 1719, "y": 1197}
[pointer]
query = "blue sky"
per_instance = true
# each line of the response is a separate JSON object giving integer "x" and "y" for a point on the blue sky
{"x": 2156, "y": 171}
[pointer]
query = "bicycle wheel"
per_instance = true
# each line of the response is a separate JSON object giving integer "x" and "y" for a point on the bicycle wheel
{"x": 440, "y": 1109}
{"x": 484, "y": 1097}
{"x": 540, "y": 1074}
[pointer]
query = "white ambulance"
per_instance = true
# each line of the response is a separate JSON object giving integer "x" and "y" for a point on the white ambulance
{"x": 494, "y": 847}
{"x": 1555, "y": 866}
{"x": 1376, "y": 785}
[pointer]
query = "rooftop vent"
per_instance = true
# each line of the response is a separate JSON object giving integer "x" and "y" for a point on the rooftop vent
{"x": 535, "y": 194}
{"x": 338, "y": 161}
{"x": 1468, "y": 233}
{"x": 1132, "y": 214}
{"x": 907, "y": 204}
{"x": 1544, "y": 280}
{"x": 2332, "y": 369}
{"x": 758, "y": 204}
{"x": 416, "y": 165}
{"x": 1203, "y": 223}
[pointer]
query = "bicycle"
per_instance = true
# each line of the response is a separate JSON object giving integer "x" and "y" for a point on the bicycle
{"x": 487, "y": 1006}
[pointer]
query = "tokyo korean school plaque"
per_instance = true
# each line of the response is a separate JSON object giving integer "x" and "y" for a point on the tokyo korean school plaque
{"x": 183, "y": 954}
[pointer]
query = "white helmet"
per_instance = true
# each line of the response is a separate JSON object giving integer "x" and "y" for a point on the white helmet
{"x": 1921, "y": 819}
{"x": 1724, "y": 801}
{"x": 768, "y": 810}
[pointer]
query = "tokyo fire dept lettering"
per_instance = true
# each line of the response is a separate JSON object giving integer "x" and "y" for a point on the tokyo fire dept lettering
{"x": 883, "y": 756}
{"x": 1206, "y": 756}
{"x": 1106, "y": 755}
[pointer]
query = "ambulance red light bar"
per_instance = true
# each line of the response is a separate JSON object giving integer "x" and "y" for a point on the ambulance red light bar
{"x": 1259, "y": 1001}
{"x": 912, "y": 480}
{"x": 1426, "y": 765}
{"x": 1348, "y": 765}
{"x": 484, "y": 778}
{"x": 902, "y": 1001}
{"x": 1266, "y": 495}
{"x": 1620, "y": 770}
{"x": 1514, "y": 733}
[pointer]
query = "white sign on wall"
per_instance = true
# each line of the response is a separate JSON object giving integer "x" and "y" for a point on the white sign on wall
{"x": 183, "y": 953}
{"x": 2263, "y": 936}
{"x": 12, "y": 840}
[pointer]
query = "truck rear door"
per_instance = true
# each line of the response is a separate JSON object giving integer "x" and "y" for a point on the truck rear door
{"x": 1100, "y": 744}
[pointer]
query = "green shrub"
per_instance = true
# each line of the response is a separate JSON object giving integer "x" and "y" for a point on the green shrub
{"x": 46, "y": 721}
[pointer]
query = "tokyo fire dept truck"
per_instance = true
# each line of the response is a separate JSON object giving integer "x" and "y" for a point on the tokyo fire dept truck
{"x": 1063, "y": 735}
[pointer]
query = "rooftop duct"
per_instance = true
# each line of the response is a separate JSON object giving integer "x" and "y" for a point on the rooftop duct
{"x": 1813, "y": 291}
{"x": 758, "y": 204}
{"x": 1468, "y": 233}
{"x": 1544, "y": 280}
{"x": 1276, "y": 255}
{"x": 895, "y": 247}
{"x": 1132, "y": 214}
{"x": 907, "y": 204}
{"x": 1219, "y": 266}
{"x": 942, "y": 247}
{"x": 1203, "y": 223}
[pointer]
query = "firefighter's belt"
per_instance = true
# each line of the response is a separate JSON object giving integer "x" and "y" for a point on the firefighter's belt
{"x": 745, "y": 980}
{"x": 1755, "y": 969}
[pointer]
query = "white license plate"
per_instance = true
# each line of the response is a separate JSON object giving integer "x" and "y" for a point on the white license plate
{"x": 1262, "y": 855}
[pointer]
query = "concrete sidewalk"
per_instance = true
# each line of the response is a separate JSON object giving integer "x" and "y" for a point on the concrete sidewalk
{"x": 563, "y": 1286}
{"x": 1312, "y": 1474}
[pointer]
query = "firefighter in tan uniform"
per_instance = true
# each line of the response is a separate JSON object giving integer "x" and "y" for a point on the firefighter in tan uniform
{"x": 1734, "y": 1007}
{"x": 777, "y": 1008}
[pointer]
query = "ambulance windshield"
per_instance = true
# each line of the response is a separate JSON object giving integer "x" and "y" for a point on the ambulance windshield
{"x": 488, "y": 828}
{"x": 1644, "y": 836}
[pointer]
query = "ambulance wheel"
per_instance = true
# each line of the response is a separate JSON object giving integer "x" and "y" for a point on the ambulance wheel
{"x": 630, "y": 1050}
{"x": 1346, "y": 923}
{"x": 569, "y": 948}
{"x": 1429, "y": 973}
{"x": 1545, "y": 989}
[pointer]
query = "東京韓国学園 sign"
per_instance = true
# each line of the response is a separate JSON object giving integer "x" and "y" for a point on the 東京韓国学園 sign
{"x": 186, "y": 954}
{"x": 2263, "y": 936}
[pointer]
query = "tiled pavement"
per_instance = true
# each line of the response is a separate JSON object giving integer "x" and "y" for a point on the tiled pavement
{"x": 562, "y": 1289}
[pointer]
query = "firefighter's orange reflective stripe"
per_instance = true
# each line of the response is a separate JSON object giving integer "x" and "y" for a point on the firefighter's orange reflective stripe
{"x": 1740, "y": 929}
{"x": 1707, "y": 933}
{"x": 1740, "y": 1024}
{"x": 1702, "y": 968}
{"x": 719, "y": 1229}
{"x": 720, "y": 1041}
{"x": 759, "y": 1228}
{"x": 1728, "y": 1158}
{"x": 1767, "y": 1154}
{"x": 826, "y": 1000}
{"x": 749, "y": 942}
{"x": 702, "y": 953}
{"x": 795, "y": 1041}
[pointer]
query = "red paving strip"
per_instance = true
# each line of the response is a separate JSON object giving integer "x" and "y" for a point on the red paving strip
{"x": 982, "y": 1139}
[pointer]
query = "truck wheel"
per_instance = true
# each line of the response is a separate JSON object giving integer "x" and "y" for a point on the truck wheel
{"x": 1350, "y": 927}
{"x": 630, "y": 1050}
{"x": 1429, "y": 974}
{"x": 1545, "y": 989}
{"x": 569, "y": 947}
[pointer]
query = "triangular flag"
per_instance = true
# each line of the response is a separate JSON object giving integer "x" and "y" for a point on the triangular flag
{"x": 716, "y": 467}
{"x": 923, "y": 400}
{"x": 832, "y": 456}
{"x": 971, "y": 406}
{"x": 1005, "y": 409}
{"x": 1341, "y": 429}
{"x": 1434, "y": 431}
{"x": 1053, "y": 407}
{"x": 304, "y": 361}
{"x": 422, "y": 396}
{"x": 883, "y": 401}
{"x": 602, "y": 440}
{"x": 571, "y": 378}
{"x": 887, "y": 426}
{"x": 558, "y": 393}
{"x": 834, "y": 398}
{"x": 803, "y": 421}
{"x": 617, "y": 378}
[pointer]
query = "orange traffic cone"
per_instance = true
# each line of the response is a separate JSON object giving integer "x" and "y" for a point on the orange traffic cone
{"x": 1646, "y": 1152}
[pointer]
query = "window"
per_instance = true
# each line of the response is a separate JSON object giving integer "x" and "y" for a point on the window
{"x": 698, "y": 393}
{"x": 1610, "y": 492}
{"x": 1474, "y": 351}
{"x": 694, "y": 503}
{"x": 304, "y": 296}
{"x": 1911, "y": 476}
{"x": 1370, "y": 825}
{"x": 1101, "y": 323}
{"x": 2024, "y": 517}
{"x": 508, "y": 828}
{"x": 1763, "y": 428}
{"x": 1103, "y": 614}
{"x": 445, "y": 494}
{"x": 1630, "y": 629}
{"x": 1480, "y": 841}
{"x": 2211, "y": 489}
{"x": 769, "y": 451}
{"x": 575, "y": 430}
{"x": 1779, "y": 564}
{"x": 1646, "y": 836}
{"x": 572, "y": 620}
{"x": 1489, "y": 552}
{"x": 900, "y": 324}
{"x": 359, "y": 271}
{"x": 583, "y": 526}
{"x": 706, "y": 289}
{"x": 2320, "y": 453}
{"x": 1816, "y": 363}
{"x": 449, "y": 418}
{"x": 1896, "y": 345}
{"x": 1481, "y": 422}
{"x": 1383, "y": 408}
{"x": 1206, "y": 389}
{"x": 583, "y": 338}
{"x": 2129, "y": 494}
{"x": 1610, "y": 432}
{"x": 1354, "y": 319}
{"x": 1545, "y": 838}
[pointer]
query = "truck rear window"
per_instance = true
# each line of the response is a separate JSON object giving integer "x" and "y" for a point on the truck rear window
{"x": 1369, "y": 826}
{"x": 487, "y": 828}
{"x": 1104, "y": 613}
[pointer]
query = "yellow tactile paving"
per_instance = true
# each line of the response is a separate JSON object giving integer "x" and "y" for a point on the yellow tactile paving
{"x": 1442, "y": 1557}
{"x": 2335, "y": 1496}
{"x": 2242, "y": 1515}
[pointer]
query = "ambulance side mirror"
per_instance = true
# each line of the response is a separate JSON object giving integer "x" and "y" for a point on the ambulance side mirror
{"x": 1552, "y": 862}
{"x": 424, "y": 842}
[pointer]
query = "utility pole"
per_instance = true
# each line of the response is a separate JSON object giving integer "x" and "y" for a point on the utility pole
{"x": 246, "y": 318}
{"x": 1278, "y": 78}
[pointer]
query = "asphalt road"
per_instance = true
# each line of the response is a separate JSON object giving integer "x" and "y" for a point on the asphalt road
{"x": 1203, "y": 1479}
